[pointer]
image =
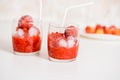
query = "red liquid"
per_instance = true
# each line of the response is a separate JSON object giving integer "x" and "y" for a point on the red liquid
{"x": 59, "y": 52}
{"x": 26, "y": 44}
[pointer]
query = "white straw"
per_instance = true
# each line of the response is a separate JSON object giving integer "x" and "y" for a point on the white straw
{"x": 75, "y": 6}
{"x": 41, "y": 9}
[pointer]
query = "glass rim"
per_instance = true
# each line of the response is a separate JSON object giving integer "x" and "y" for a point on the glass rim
{"x": 66, "y": 26}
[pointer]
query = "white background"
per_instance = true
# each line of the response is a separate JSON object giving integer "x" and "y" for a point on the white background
{"x": 97, "y": 59}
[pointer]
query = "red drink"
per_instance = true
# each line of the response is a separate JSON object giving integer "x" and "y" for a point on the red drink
{"x": 63, "y": 46}
{"x": 26, "y": 39}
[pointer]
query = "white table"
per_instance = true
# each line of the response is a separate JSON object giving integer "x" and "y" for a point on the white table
{"x": 97, "y": 60}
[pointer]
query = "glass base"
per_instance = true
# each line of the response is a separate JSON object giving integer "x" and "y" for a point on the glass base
{"x": 60, "y": 60}
{"x": 27, "y": 54}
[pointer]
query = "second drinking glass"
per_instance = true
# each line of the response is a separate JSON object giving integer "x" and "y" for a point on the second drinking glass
{"x": 63, "y": 43}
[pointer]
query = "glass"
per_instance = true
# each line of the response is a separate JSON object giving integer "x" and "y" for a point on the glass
{"x": 63, "y": 43}
{"x": 26, "y": 35}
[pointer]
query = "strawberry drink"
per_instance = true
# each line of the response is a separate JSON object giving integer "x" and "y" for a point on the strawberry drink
{"x": 63, "y": 43}
{"x": 26, "y": 37}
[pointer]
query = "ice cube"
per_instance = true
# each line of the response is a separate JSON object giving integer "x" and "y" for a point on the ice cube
{"x": 62, "y": 43}
{"x": 71, "y": 38}
{"x": 71, "y": 42}
{"x": 20, "y": 33}
{"x": 33, "y": 31}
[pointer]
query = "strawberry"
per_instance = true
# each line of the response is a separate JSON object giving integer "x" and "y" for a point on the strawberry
{"x": 25, "y": 21}
{"x": 98, "y": 26}
{"x": 110, "y": 29}
{"x": 99, "y": 29}
{"x": 71, "y": 31}
{"x": 116, "y": 32}
{"x": 89, "y": 29}
{"x": 54, "y": 38}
